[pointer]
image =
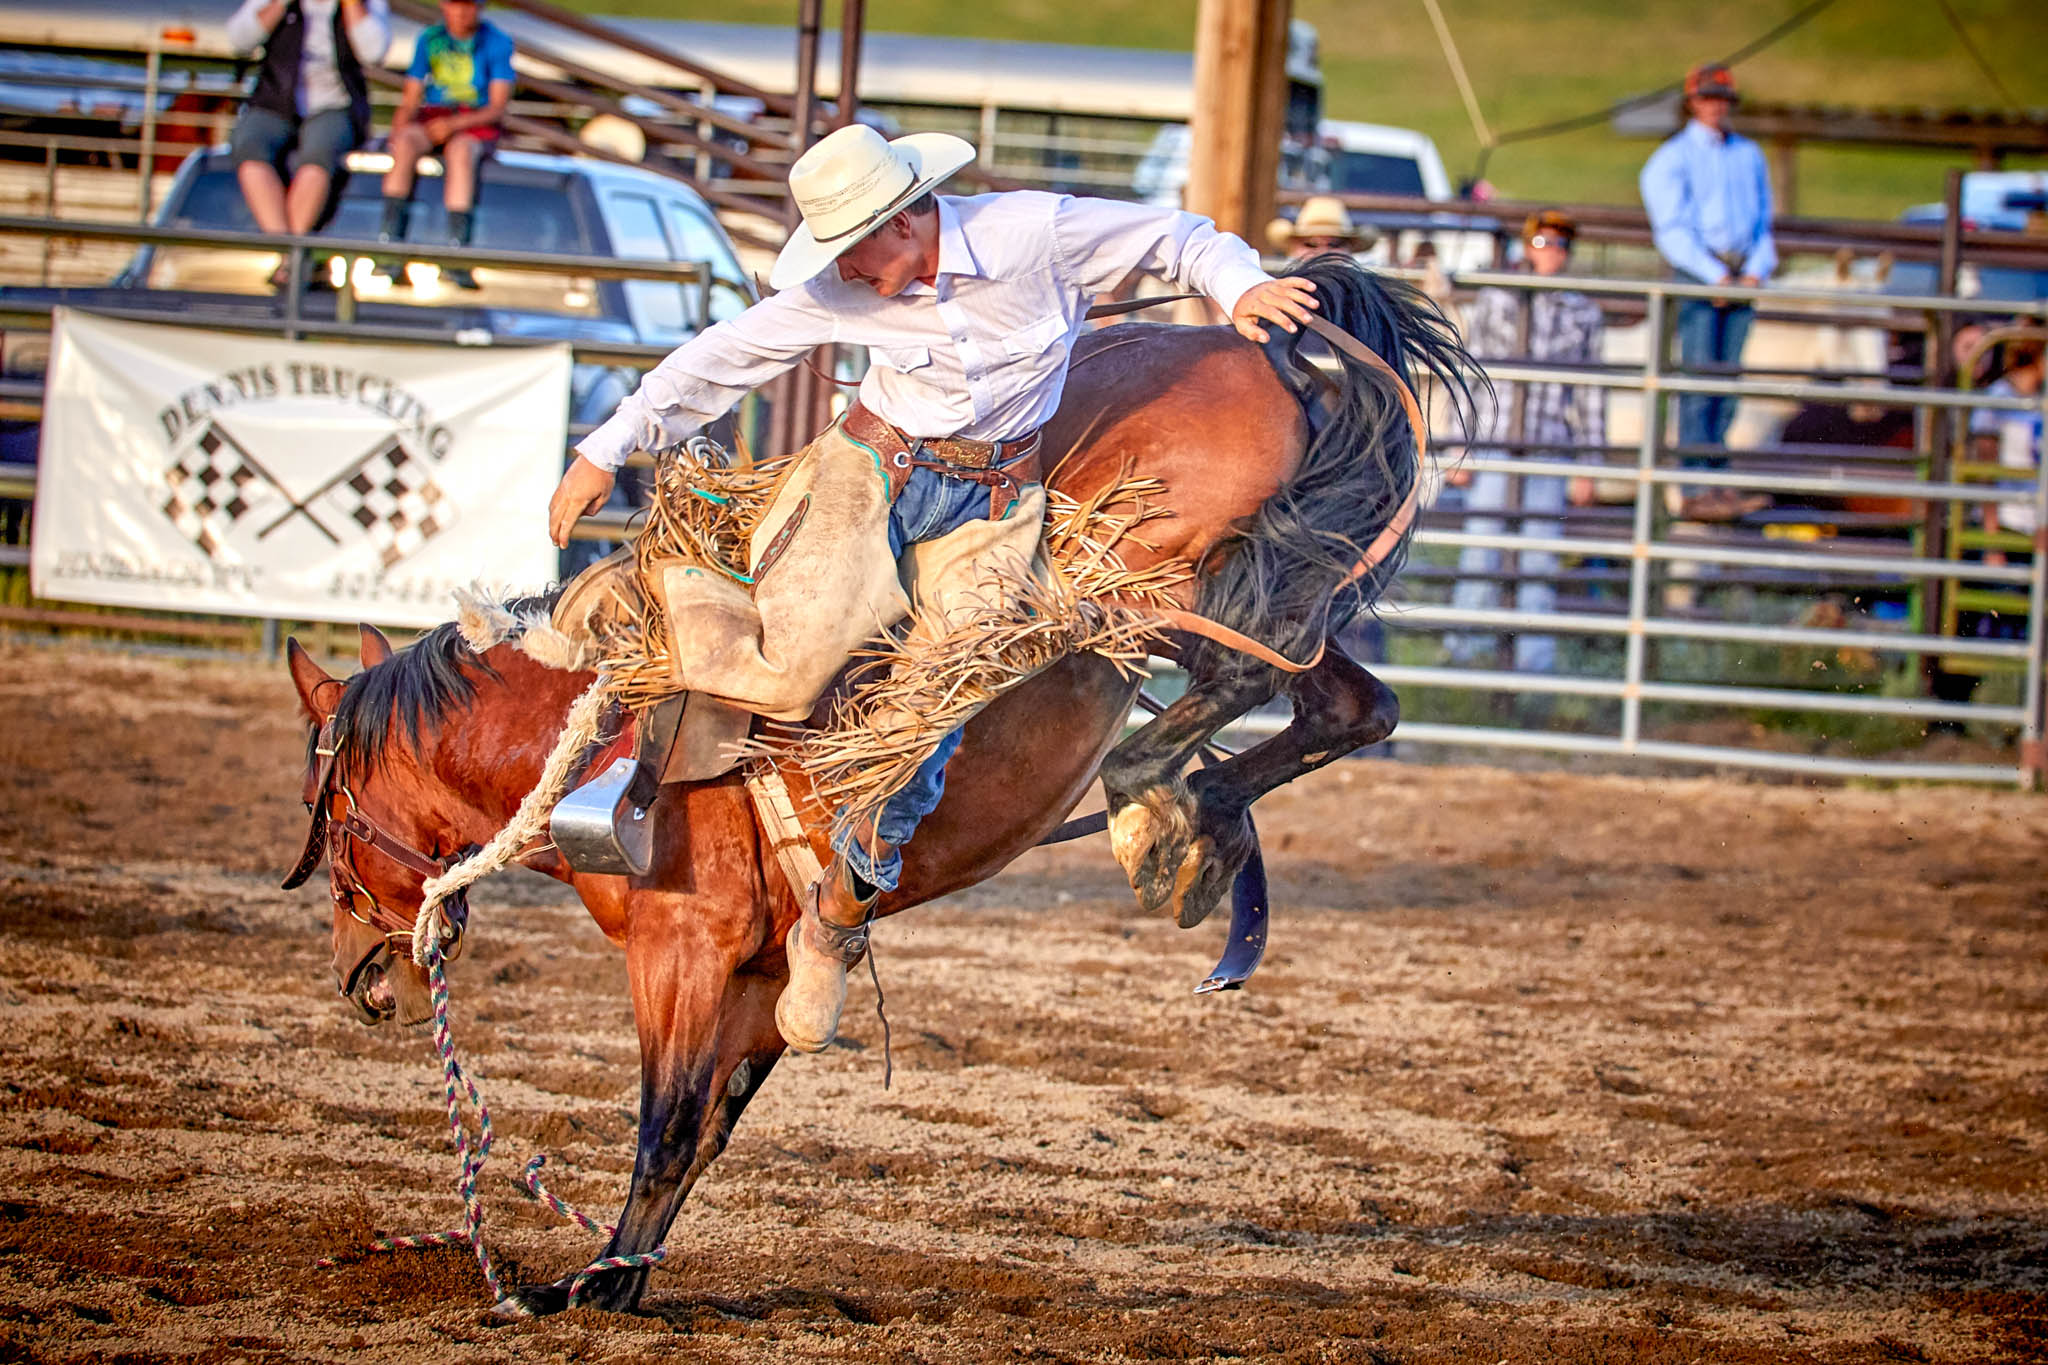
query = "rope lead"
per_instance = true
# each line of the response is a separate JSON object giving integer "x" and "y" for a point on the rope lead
{"x": 457, "y": 1083}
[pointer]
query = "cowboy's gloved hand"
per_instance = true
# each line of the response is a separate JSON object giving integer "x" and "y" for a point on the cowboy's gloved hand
{"x": 582, "y": 491}
{"x": 1286, "y": 301}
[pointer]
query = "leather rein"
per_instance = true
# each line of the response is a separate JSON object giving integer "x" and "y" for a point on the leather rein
{"x": 332, "y": 838}
{"x": 1371, "y": 557}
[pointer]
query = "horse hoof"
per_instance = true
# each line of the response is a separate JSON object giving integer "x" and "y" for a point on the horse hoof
{"x": 1156, "y": 881}
{"x": 528, "y": 1301}
{"x": 1132, "y": 832}
{"x": 1194, "y": 895}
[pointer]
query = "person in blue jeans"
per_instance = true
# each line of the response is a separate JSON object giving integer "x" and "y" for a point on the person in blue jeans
{"x": 929, "y": 506}
{"x": 969, "y": 307}
{"x": 1708, "y": 194}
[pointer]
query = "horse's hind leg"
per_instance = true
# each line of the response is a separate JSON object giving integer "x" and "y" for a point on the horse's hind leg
{"x": 1338, "y": 709}
{"x": 1152, "y": 813}
{"x": 708, "y": 1041}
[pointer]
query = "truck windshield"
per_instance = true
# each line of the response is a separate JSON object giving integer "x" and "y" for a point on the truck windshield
{"x": 512, "y": 215}
{"x": 1372, "y": 173}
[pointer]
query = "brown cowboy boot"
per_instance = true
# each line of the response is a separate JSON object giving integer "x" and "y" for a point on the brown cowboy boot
{"x": 819, "y": 952}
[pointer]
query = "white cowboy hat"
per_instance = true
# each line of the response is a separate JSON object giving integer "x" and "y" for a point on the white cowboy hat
{"x": 1321, "y": 215}
{"x": 850, "y": 183}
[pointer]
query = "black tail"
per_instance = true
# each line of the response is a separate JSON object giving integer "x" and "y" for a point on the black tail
{"x": 1277, "y": 578}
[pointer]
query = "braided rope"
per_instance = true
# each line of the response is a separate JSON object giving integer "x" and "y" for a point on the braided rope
{"x": 531, "y": 1179}
{"x": 578, "y": 729}
{"x": 455, "y": 1084}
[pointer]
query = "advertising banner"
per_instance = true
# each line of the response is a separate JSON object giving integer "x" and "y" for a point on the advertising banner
{"x": 190, "y": 470}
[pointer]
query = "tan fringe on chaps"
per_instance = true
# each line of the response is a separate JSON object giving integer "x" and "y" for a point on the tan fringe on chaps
{"x": 825, "y": 584}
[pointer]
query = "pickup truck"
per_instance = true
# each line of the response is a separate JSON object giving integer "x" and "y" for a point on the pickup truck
{"x": 1346, "y": 158}
{"x": 526, "y": 203}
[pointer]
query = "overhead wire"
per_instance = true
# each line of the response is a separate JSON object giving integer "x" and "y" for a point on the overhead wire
{"x": 1969, "y": 45}
{"x": 1593, "y": 118}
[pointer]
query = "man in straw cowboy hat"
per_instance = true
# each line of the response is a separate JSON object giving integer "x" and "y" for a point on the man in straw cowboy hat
{"x": 969, "y": 308}
{"x": 1322, "y": 224}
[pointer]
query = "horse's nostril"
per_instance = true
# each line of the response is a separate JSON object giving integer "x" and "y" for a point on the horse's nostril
{"x": 375, "y": 990}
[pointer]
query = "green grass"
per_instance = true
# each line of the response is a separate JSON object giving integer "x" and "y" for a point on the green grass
{"x": 1535, "y": 63}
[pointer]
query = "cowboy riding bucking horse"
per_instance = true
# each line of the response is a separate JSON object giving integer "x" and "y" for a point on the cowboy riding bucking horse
{"x": 970, "y": 308}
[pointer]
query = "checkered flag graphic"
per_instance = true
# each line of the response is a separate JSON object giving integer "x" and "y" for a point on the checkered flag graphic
{"x": 392, "y": 495}
{"x": 214, "y": 483}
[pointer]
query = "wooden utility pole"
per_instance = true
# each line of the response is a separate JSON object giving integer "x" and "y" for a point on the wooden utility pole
{"x": 1240, "y": 107}
{"x": 852, "y": 26}
{"x": 800, "y": 403}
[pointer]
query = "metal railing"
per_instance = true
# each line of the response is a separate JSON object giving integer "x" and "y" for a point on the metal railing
{"x": 283, "y": 313}
{"x": 1651, "y": 552}
{"x": 299, "y": 251}
{"x": 1651, "y": 558}
{"x": 1629, "y": 224}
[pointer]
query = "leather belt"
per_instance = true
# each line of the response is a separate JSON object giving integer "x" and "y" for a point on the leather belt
{"x": 1002, "y": 467}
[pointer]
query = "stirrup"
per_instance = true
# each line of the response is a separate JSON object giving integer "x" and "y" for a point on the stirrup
{"x": 603, "y": 826}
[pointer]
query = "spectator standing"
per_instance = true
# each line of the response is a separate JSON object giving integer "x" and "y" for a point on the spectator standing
{"x": 310, "y": 97}
{"x": 454, "y": 103}
{"x": 1708, "y": 194}
{"x": 1545, "y": 421}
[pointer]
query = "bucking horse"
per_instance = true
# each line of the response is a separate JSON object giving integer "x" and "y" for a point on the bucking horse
{"x": 1278, "y": 473}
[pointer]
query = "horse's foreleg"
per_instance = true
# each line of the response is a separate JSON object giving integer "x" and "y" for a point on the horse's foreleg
{"x": 1338, "y": 709}
{"x": 749, "y": 1045}
{"x": 707, "y": 1042}
{"x": 1151, "y": 810}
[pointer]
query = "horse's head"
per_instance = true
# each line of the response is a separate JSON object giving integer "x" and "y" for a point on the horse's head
{"x": 382, "y": 821}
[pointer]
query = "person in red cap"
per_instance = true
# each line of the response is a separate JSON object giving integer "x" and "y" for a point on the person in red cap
{"x": 1708, "y": 193}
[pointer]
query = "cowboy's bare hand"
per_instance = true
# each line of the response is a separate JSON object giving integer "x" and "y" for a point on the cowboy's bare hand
{"x": 583, "y": 490}
{"x": 1287, "y": 302}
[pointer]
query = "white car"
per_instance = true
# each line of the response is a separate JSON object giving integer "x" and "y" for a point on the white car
{"x": 1348, "y": 158}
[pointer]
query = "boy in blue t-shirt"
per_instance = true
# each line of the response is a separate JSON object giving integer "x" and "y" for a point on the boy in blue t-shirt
{"x": 454, "y": 101}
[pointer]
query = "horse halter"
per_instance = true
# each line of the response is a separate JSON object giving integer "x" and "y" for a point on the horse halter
{"x": 331, "y": 838}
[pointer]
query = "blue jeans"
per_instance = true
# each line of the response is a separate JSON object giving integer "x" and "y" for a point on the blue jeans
{"x": 1708, "y": 336}
{"x": 929, "y": 506}
{"x": 1489, "y": 493}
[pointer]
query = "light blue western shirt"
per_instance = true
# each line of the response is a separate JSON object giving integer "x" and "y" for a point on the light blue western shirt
{"x": 1708, "y": 196}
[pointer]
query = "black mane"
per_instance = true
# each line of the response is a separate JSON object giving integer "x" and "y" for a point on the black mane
{"x": 418, "y": 687}
{"x": 1283, "y": 577}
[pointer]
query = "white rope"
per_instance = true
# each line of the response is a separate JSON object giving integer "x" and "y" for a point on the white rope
{"x": 578, "y": 730}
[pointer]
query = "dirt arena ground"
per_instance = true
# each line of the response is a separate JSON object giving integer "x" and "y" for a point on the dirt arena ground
{"x": 1541, "y": 1067}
